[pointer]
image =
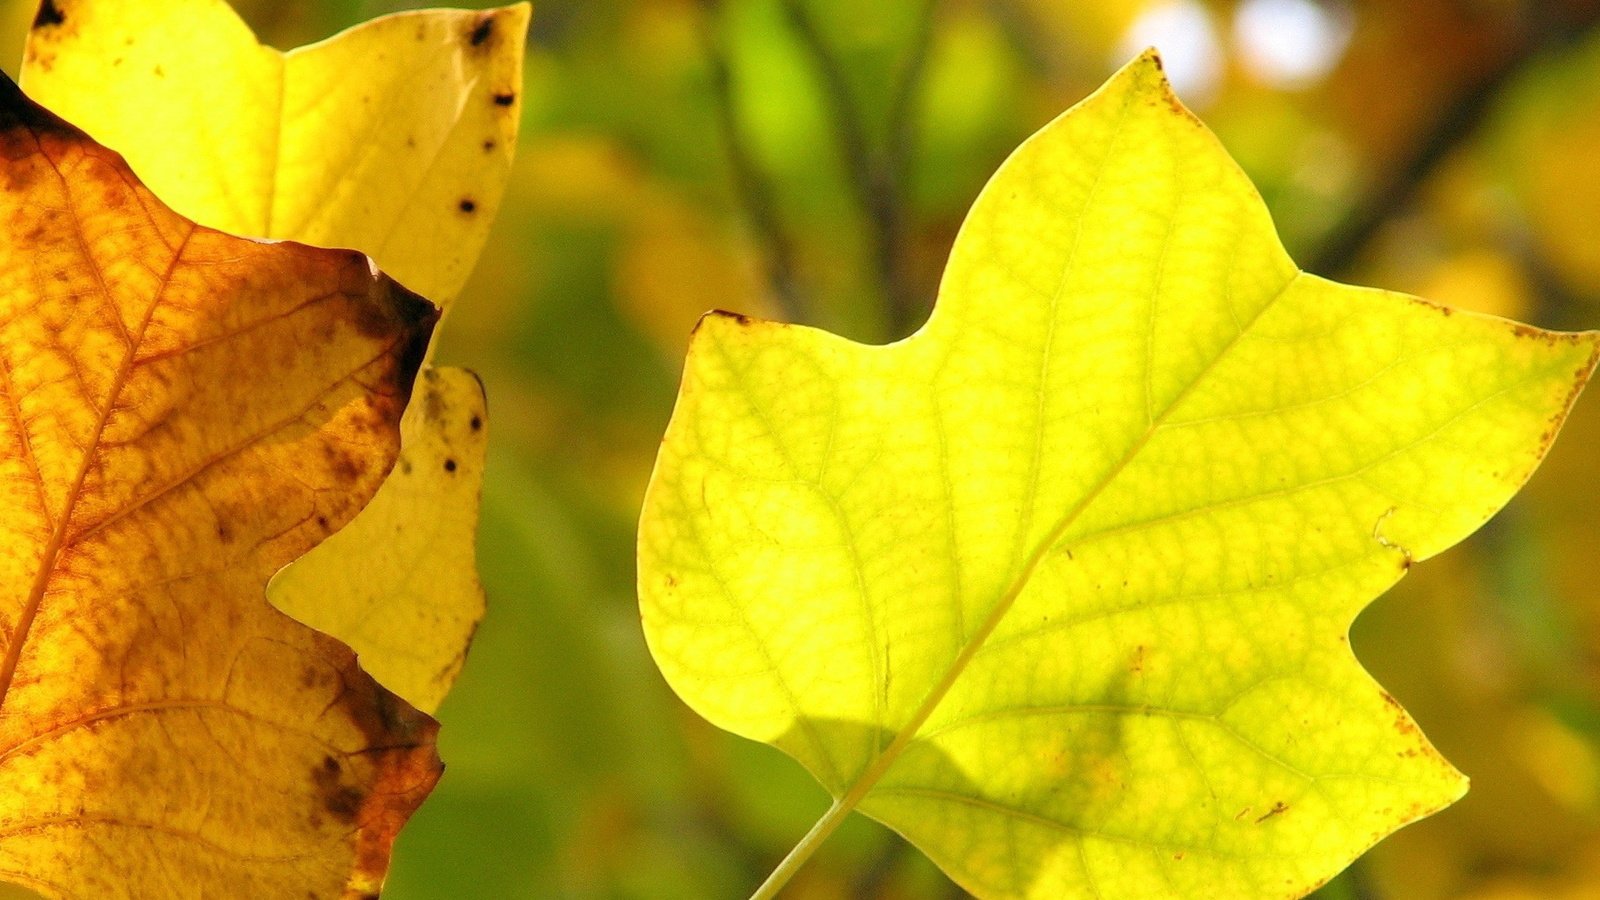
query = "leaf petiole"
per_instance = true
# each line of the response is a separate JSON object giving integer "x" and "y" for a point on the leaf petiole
{"x": 797, "y": 856}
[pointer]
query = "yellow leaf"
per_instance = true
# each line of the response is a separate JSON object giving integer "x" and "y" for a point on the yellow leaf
{"x": 422, "y": 521}
{"x": 1059, "y": 587}
{"x": 394, "y": 138}
{"x": 181, "y": 413}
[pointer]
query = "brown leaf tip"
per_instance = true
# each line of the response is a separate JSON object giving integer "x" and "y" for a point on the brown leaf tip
{"x": 49, "y": 14}
{"x": 390, "y": 311}
{"x": 17, "y": 111}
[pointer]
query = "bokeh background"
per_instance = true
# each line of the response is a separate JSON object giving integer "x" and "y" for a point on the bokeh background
{"x": 811, "y": 160}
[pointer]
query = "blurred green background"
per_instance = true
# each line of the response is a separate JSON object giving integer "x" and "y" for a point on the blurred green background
{"x": 811, "y": 160}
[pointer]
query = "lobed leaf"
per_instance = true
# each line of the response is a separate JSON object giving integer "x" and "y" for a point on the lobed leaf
{"x": 182, "y": 412}
{"x": 395, "y": 138}
{"x": 1059, "y": 587}
{"x": 376, "y": 583}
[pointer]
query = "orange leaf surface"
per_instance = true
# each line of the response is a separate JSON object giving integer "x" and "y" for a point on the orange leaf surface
{"x": 183, "y": 412}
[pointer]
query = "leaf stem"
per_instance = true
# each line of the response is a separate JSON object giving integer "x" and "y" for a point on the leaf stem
{"x": 797, "y": 856}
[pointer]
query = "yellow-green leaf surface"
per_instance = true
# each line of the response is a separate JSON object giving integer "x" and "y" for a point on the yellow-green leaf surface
{"x": 182, "y": 412}
{"x": 1059, "y": 586}
{"x": 422, "y": 522}
{"x": 394, "y": 138}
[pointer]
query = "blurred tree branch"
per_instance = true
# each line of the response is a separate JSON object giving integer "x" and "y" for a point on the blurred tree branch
{"x": 750, "y": 183}
{"x": 1543, "y": 27}
{"x": 878, "y": 178}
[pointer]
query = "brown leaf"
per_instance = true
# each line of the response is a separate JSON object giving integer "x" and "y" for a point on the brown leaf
{"x": 182, "y": 413}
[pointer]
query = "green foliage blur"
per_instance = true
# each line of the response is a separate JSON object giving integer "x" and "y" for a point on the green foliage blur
{"x": 811, "y": 160}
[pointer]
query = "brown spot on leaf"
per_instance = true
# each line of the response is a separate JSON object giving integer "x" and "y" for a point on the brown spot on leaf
{"x": 477, "y": 423}
{"x": 344, "y": 466}
{"x": 488, "y": 145}
{"x": 505, "y": 98}
{"x": 19, "y": 112}
{"x": 1278, "y": 808}
{"x": 482, "y": 30}
{"x": 468, "y": 205}
{"x": 49, "y": 14}
{"x": 342, "y": 801}
{"x": 389, "y": 311}
{"x": 449, "y": 465}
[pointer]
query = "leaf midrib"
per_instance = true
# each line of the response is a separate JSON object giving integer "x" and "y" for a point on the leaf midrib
{"x": 885, "y": 760}
{"x": 52, "y": 551}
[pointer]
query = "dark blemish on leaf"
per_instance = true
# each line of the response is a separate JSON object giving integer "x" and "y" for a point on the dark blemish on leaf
{"x": 449, "y": 465}
{"x": 505, "y": 98}
{"x": 468, "y": 205}
{"x": 17, "y": 111}
{"x": 488, "y": 146}
{"x": 344, "y": 467}
{"x": 411, "y": 140}
{"x": 224, "y": 533}
{"x": 1277, "y": 808}
{"x": 322, "y": 522}
{"x": 342, "y": 801}
{"x": 405, "y": 466}
{"x": 49, "y": 14}
{"x": 1178, "y": 855}
{"x": 476, "y": 424}
{"x": 390, "y": 312}
{"x": 160, "y": 72}
{"x": 736, "y": 318}
{"x": 308, "y": 677}
{"x": 672, "y": 581}
{"x": 482, "y": 31}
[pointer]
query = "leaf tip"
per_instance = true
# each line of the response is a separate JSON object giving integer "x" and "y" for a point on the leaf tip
{"x": 1147, "y": 74}
{"x": 390, "y": 311}
{"x": 17, "y": 110}
{"x": 720, "y": 317}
